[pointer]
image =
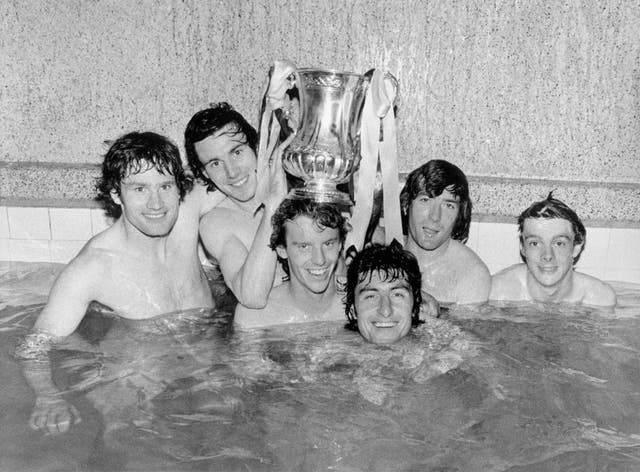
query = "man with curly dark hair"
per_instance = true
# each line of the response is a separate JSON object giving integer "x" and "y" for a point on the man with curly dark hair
{"x": 383, "y": 293}
{"x": 145, "y": 264}
{"x": 552, "y": 238}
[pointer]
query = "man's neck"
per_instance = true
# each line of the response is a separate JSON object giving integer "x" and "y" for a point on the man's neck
{"x": 248, "y": 207}
{"x": 425, "y": 256}
{"x": 142, "y": 245}
{"x": 557, "y": 293}
{"x": 310, "y": 302}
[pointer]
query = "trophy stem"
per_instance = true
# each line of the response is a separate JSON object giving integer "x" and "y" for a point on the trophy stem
{"x": 321, "y": 191}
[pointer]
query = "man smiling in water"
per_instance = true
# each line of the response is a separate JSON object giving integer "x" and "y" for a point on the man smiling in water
{"x": 552, "y": 238}
{"x": 383, "y": 293}
{"x": 145, "y": 264}
{"x": 437, "y": 213}
{"x": 308, "y": 237}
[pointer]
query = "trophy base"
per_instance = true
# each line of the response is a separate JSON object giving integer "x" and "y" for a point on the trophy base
{"x": 321, "y": 194}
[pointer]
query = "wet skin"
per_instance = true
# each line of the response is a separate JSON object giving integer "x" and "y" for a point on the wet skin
{"x": 229, "y": 162}
{"x": 149, "y": 201}
{"x": 431, "y": 219}
{"x": 384, "y": 308}
{"x": 312, "y": 253}
{"x": 548, "y": 248}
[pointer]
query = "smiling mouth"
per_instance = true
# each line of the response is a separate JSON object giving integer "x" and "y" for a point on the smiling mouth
{"x": 155, "y": 216}
{"x": 239, "y": 183}
{"x": 318, "y": 272}
{"x": 385, "y": 324}
{"x": 430, "y": 233}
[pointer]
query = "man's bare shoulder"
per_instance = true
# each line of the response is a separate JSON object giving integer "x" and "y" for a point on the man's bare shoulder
{"x": 594, "y": 291}
{"x": 204, "y": 200}
{"x": 466, "y": 258}
{"x": 508, "y": 283}
{"x": 474, "y": 279}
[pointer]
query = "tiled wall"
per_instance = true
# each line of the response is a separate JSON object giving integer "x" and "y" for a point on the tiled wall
{"x": 57, "y": 234}
{"x": 47, "y": 234}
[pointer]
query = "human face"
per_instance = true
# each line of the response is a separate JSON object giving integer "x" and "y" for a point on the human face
{"x": 383, "y": 308}
{"x": 312, "y": 254}
{"x": 150, "y": 202}
{"x": 431, "y": 219}
{"x": 229, "y": 162}
{"x": 548, "y": 249}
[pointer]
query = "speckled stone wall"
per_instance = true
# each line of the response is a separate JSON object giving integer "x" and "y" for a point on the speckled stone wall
{"x": 529, "y": 91}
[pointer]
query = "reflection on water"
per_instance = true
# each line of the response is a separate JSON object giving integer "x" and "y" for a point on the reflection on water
{"x": 510, "y": 388}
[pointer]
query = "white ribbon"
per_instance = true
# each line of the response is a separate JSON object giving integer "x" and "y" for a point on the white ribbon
{"x": 377, "y": 114}
{"x": 273, "y": 99}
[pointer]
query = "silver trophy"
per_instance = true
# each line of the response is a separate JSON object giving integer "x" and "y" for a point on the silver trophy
{"x": 326, "y": 149}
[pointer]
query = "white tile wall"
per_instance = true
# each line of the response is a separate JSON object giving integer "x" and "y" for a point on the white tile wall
{"x": 70, "y": 223}
{"x": 498, "y": 245}
{"x": 99, "y": 220}
{"x": 29, "y": 223}
{"x": 624, "y": 249}
{"x": 64, "y": 251}
{"x": 593, "y": 260}
{"x": 4, "y": 250}
{"x": 57, "y": 234}
{"x": 29, "y": 250}
{"x": 4, "y": 222}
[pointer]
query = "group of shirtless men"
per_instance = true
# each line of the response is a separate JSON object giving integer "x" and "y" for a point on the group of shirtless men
{"x": 284, "y": 259}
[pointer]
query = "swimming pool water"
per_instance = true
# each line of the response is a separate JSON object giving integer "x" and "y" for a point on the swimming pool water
{"x": 499, "y": 388}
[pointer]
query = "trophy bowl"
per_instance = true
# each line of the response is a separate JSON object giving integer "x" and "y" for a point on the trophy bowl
{"x": 326, "y": 149}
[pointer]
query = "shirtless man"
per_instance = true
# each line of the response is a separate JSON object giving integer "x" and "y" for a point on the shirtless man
{"x": 383, "y": 293}
{"x": 552, "y": 238}
{"x": 221, "y": 151}
{"x": 145, "y": 264}
{"x": 436, "y": 211}
{"x": 308, "y": 237}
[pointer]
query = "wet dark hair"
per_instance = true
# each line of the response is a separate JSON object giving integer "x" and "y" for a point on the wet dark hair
{"x": 208, "y": 122}
{"x": 324, "y": 215}
{"x": 138, "y": 152}
{"x": 549, "y": 208}
{"x": 432, "y": 179}
{"x": 392, "y": 262}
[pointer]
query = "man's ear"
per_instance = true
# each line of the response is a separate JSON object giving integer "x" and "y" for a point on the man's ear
{"x": 577, "y": 249}
{"x": 281, "y": 252}
{"x": 115, "y": 197}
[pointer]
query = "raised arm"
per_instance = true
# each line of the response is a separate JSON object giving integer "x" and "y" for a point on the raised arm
{"x": 247, "y": 271}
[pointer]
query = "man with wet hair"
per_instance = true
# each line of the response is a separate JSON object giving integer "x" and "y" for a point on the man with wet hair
{"x": 436, "y": 210}
{"x": 307, "y": 237}
{"x": 383, "y": 293}
{"x": 552, "y": 238}
{"x": 145, "y": 264}
{"x": 221, "y": 150}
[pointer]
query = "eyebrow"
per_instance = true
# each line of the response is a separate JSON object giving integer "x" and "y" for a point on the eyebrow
{"x": 145, "y": 184}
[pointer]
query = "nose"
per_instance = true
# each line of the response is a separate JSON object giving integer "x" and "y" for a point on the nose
{"x": 434, "y": 212}
{"x": 232, "y": 169}
{"x": 317, "y": 256}
{"x": 547, "y": 254}
{"x": 155, "y": 200}
{"x": 385, "y": 306}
